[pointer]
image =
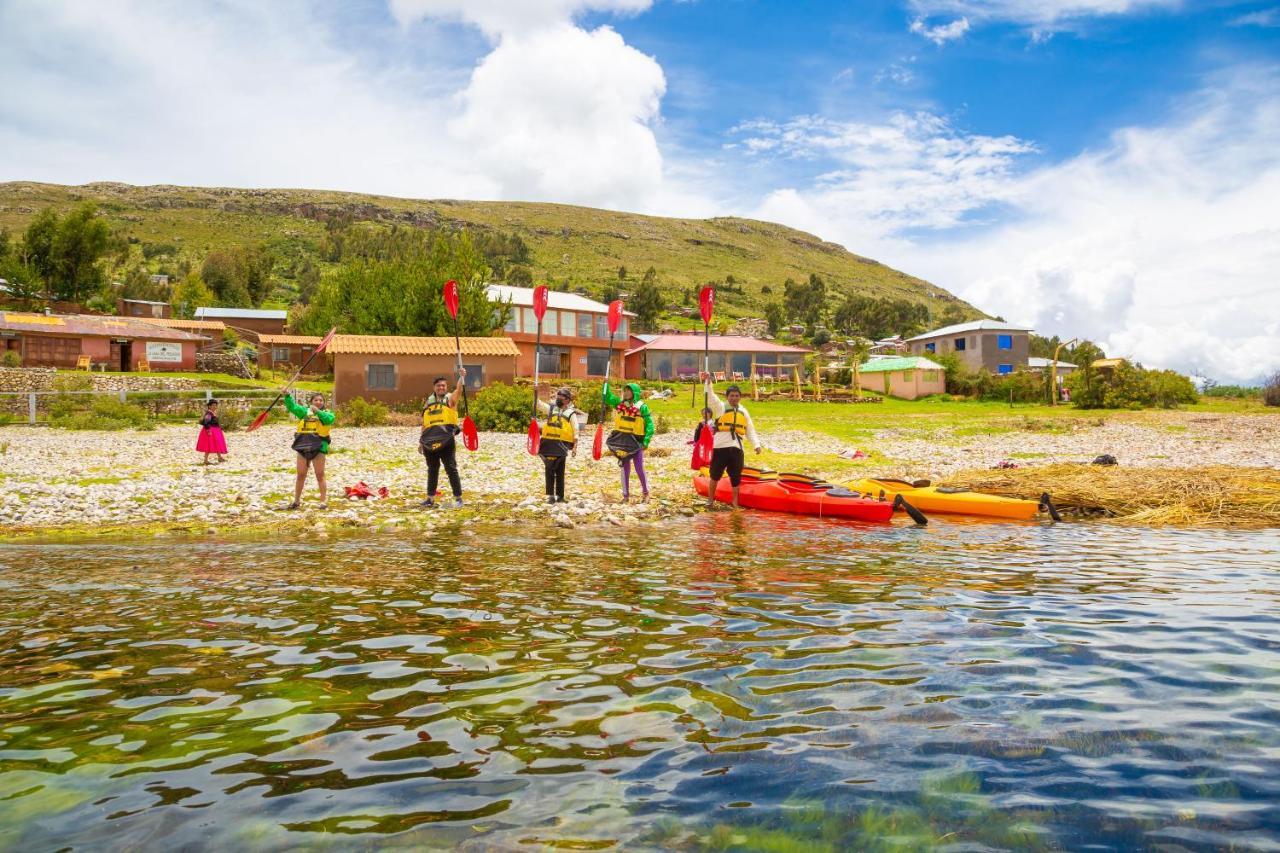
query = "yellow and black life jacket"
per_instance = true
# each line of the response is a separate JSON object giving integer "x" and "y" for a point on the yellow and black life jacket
{"x": 311, "y": 425}
{"x": 732, "y": 421}
{"x": 631, "y": 424}
{"x": 559, "y": 427}
{"x": 438, "y": 413}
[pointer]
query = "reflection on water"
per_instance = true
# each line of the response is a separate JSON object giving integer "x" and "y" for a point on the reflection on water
{"x": 748, "y": 682}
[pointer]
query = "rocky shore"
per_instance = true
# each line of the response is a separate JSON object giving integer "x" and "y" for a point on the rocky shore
{"x": 129, "y": 484}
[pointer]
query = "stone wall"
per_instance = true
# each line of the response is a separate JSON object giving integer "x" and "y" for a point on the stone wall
{"x": 25, "y": 379}
{"x": 223, "y": 362}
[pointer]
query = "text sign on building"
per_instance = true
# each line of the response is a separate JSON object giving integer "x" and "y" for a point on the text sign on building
{"x": 160, "y": 351}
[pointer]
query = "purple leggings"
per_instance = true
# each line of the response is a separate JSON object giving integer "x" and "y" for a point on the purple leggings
{"x": 626, "y": 474}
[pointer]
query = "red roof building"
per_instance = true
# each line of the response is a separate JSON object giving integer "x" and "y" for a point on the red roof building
{"x": 116, "y": 343}
{"x": 668, "y": 357}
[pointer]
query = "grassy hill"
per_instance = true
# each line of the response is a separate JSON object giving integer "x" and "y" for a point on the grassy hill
{"x": 571, "y": 246}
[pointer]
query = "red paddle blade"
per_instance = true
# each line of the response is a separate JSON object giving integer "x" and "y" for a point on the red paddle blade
{"x": 535, "y": 437}
{"x": 540, "y": 296}
{"x": 470, "y": 436}
{"x": 324, "y": 342}
{"x": 706, "y": 444}
{"x": 706, "y": 300}
{"x": 615, "y": 315}
{"x": 258, "y": 421}
{"x": 597, "y": 446}
{"x": 451, "y": 298}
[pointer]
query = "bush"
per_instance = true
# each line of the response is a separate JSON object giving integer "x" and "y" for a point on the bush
{"x": 11, "y": 358}
{"x": 232, "y": 419}
{"x": 661, "y": 426}
{"x": 1130, "y": 386}
{"x": 73, "y": 382}
{"x": 360, "y": 412}
{"x": 104, "y": 413}
{"x": 1271, "y": 391}
{"x": 502, "y": 408}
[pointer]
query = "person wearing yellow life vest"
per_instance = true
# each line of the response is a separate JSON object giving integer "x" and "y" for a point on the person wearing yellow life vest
{"x": 559, "y": 440}
{"x": 632, "y": 432}
{"x": 311, "y": 442}
{"x": 436, "y": 442}
{"x": 733, "y": 426}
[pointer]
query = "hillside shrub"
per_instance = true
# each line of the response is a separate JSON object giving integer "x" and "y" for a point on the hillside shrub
{"x": 1271, "y": 391}
{"x": 105, "y": 413}
{"x": 72, "y": 382}
{"x": 360, "y": 412}
{"x": 1130, "y": 386}
{"x": 1230, "y": 392}
{"x": 232, "y": 418}
{"x": 502, "y": 408}
{"x": 11, "y": 358}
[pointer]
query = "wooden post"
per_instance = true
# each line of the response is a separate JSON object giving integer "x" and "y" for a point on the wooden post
{"x": 755, "y": 387}
{"x": 795, "y": 374}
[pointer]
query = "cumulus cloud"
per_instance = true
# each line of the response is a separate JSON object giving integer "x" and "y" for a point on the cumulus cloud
{"x": 940, "y": 34}
{"x": 504, "y": 17}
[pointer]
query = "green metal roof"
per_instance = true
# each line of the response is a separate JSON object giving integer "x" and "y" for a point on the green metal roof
{"x": 905, "y": 362}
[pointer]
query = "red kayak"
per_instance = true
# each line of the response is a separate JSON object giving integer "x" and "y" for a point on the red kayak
{"x": 797, "y": 493}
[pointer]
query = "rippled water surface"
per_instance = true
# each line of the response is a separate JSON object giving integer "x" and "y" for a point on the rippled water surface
{"x": 746, "y": 682}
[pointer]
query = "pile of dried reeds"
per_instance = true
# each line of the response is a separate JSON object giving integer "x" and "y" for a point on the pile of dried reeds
{"x": 1217, "y": 496}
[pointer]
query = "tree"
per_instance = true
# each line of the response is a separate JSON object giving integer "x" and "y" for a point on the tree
{"x": 859, "y": 350}
{"x": 38, "y": 241}
{"x": 308, "y": 281}
{"x": 403, "y": 296}
{"x": 138, "y": 285}
{"x": 805, "y": 302}
{"x": 646, "y": 302}
{"x": 189, "y": 294}
{"x": 520, "y": 276}
{"x": 80, "y": 241}
{"x": 240, "y": 277}
{"x": 775, "y": 316}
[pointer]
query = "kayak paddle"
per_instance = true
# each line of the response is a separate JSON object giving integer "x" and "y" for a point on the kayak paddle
{"x": 470, "y": 437}
{"x": 615, "y": 316}
{"x": 260, "y": 419}
{"x": 540, "y": 295}
{"x": 706, "y": 439}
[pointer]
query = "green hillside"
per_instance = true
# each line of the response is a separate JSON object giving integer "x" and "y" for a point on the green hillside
{"x": 571, "y": 247}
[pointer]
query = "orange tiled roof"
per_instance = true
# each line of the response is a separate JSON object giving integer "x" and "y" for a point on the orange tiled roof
{"x": 397, "y": 345}
{"x": 290, "y": 340}
{"x": 184, "y": 325}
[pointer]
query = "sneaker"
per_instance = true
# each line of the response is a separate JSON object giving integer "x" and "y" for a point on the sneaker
{"x": 428, "y": 503}
{"x": 551, "y": 499}
{"x": 645, "y": 499}
{"x": 561, "y": 500}
{"x": 457, "y": 502}
{"x": 323, "y": 506}
{"x": 293, "y": 505}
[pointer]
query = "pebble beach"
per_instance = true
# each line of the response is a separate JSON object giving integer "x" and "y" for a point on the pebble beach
{"x": 55, "y": 482}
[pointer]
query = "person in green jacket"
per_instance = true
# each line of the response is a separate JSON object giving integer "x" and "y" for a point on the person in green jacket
{"x": 632, "y": 432}
{"x": 311, "y": 441}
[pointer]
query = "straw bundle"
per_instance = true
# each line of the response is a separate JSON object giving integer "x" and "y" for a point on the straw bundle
{"x": 1217, "y": 496}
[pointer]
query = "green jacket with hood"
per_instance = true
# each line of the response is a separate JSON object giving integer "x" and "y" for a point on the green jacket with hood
{"x": 612, "y": 400}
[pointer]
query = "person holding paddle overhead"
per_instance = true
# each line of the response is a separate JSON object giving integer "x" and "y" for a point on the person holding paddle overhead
{"x": 559, "y": 440}
{"x": 732, "y": 425}
{"x": 436, "y": 442}
{"x": 632, "y": 432}
{"x": 311, "y": 442}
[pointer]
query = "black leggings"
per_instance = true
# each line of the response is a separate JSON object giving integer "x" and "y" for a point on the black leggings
{"x": 447, "y": 455}
{"x": 554, "y": 466}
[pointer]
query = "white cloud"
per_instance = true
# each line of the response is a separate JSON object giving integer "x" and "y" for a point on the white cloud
{"x": 270, "y": 95}
{"x": 1041, "y": 17}
{"x": 1261, "y": 18}
{"x": 912, "y": 171}
{"x": 941, "y": 33}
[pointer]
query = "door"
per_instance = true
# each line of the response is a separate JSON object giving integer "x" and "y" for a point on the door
{"x": 564, "y": 363}
{"x": 126, "y": 356}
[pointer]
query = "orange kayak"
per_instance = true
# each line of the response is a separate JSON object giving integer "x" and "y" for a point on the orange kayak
{"x": 800, "y": 494}
{"x": 962, "y": 502}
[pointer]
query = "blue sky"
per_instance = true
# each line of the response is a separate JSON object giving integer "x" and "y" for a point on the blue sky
{"x": 1099, "y": 168}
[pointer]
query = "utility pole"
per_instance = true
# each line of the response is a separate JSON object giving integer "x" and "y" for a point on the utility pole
{"x": 1053, "y": 372}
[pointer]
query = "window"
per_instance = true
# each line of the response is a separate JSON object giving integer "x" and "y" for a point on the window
{"x": 658, "y": 365}
{"x": 568, "y": 323}
{"x": 513, "y": 324}
{"x": 475, "y": 376}
{"x": 1004, "y": 342}
{"x": 1004, "y": 368}
{"x": 280, "y": 354}
{"x": 584, "y": 325}
{"x": 549, "y": 361}
{"x": 960, "y": 343}
{"x": 528, "y": 322}
{"x": 602, "y": 326}
{"x": 597, "y": 361}
{"x": 906, "y": 376}
{"x": 931, "y": 347}
{"x": 379, "y": 377}
{"x": 623, "y": 328}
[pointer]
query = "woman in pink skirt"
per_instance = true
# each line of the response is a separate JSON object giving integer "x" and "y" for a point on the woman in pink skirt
{"x": 211, "y": 438}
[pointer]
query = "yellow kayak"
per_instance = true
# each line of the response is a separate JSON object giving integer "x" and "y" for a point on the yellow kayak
{"x": 935, "y": 499}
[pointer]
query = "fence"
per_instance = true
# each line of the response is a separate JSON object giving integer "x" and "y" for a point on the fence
{"x": 187, "y": 402}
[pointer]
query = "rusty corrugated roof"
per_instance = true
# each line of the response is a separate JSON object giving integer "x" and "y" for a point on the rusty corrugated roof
{"x": 290, "y": 340}
{"x": 94, "y": 326}
{"x": 397, "y": 345}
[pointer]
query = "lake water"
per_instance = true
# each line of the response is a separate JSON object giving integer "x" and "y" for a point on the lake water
{"x": 728, "y": 682}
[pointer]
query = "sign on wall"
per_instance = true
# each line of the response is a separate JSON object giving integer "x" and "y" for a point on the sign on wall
{"x": 159, "y": 351}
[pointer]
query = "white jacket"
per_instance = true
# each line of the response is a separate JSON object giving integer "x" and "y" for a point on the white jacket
{"x": 728, "y": 439}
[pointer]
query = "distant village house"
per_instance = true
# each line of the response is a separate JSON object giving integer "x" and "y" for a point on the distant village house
{"x": 395, "y": 369}
{"x": 997, "y": 347}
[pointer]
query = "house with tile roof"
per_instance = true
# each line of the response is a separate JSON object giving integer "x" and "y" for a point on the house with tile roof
{"x": 396, "y": 369}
